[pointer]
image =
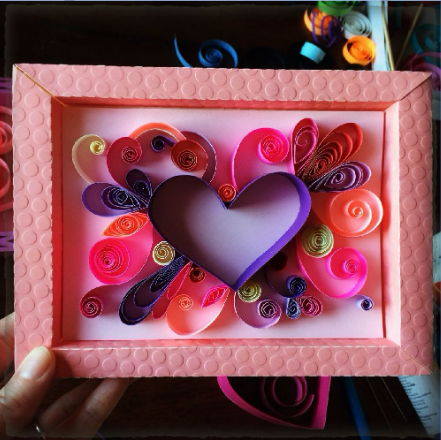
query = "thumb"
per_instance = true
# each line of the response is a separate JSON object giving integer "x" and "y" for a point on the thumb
{"x": 21, "y": 397}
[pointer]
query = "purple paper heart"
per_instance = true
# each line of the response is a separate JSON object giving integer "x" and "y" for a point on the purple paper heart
{"x": 231, "y": 243}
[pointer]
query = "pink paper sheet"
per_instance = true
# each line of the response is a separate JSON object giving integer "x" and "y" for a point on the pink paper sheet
{"x": 82, "y": 230}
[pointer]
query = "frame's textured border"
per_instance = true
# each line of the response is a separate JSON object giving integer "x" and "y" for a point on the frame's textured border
{"x": 33, "y": 85}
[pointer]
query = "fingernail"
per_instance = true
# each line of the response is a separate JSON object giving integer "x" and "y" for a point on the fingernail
{"x": 35, "y": 363}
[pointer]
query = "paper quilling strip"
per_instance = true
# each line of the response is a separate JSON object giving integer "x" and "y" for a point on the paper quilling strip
{"x": 317, "y": 241}
{"x": 363, "y": 302}
{"x": 359, "y": 50}
{"x": 355, "y": 23}
{"x": 126, "y": 225}
{"x": 91, "y": 306}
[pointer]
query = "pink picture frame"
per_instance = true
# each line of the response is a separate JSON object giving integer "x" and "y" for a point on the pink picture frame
{"x": 40, "y": 93}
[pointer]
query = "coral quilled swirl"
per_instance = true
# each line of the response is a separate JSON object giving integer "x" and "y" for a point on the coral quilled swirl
{"x": 109, "y": 259}
{"x": 273, "y": 149}
{"x": 227, "y": 192}
{"x": 310, "y": 306}
{"x": 126, "y": 225}
{"x": 185, "y": 302}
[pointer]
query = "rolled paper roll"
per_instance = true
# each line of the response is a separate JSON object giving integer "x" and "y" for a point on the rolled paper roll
{"x": 108, "y": 260}
{"x": 363, "y": 302}
{"x": 278, "y": 262}
{"x": 296, "y": 286}
{"x": 292, "y": 308}
{"x": 296, "y": 60}
{"x": 214, "y": 295}
{"x": 131, "y": 153}
{"x": 268, "y": 309}
{"x": 250, "y": 291}
{"x": 197, "y": 274}
{"x": 126, "y": 225}
{"x": 97, "y": 147}
{"x": 91, "y": 306}
{"x": 210, "y": 53}
{"x": 227, "y": 192}
{"x": 185, "y": 302}
{"x": 355, "y": 23}
{"x": 310, "y": 306}
{"x": 350, "y": 175}
{"x": 312, "y": 52}
{"x": 359, "y": 50}
{"x": 159, "y": 142}
{"x": 272, "y": 149}
{"x": 324, "y": 25}
{"x": 304, "y": 140}
{"x": 338, "y": 9}
{"x": 354, "y": 213}
{"x": 187, "y": 154}
{"x": 163, "y": 253}
{"x": 317, "y": 241}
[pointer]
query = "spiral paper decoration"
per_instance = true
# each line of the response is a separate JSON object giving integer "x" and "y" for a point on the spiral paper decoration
{"x": 163, "y": 254}
{"x": 317, "y": 240}
{"x": 91, "y": 307}
{"x": 250, "y": 291}
{"x": 272, "y": 149}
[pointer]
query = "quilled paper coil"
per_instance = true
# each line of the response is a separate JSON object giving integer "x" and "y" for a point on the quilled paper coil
{"x": 359, "y": 50}
{"x": 317, "y": 241}
{"x": 227, "y": 192}
{"x": 163, "y": 253}
{"x": 91, "y": 306}
{"x": 250, "y": 291}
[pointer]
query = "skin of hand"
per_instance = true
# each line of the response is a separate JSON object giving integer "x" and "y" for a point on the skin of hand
{"x": 77, "y": 414}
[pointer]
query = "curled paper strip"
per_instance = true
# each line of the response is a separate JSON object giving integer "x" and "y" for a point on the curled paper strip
{"x": 264, "y": 58}
{"x": 197, "y": 274}
{"x": 312, "y": 52}
{"x": 310, "y": 306}
{"x": 287, "y": 401}
{"x": 91, "y": 306}
{"x": 292, "y": 308}
{"x": 104, "y": 199}
{"x": 335, "y": 148}
{"x": 126, "y": 225}
{"x": 214, "y": 295}
{"x": 338, "y": 9}
{"x": 140, "y": 184}
{"x": 187, "y": 155}
{"x": 89, "y": 158}
{"x": 5, "y": 129}
{"x": 341, "y": 274}
{"x": 363, "y": 302}
{"x": 109, "y": 259}
{"x": 309, "y": 60}
{"x": 250, "y": 291}
{"x": 209, "y": 149}
{"x": 159, "y": 142}
{"x": 347, "y": 176}
{"x": 163, "y": 253}
{"x": 296, "y": 286}
{"x": 317, "y": 241}
{"x": 326, "y": 26}
{"x": 248, "y": 161}
{"x": 359, "y": 50}
{"x": 278, "y": 262}
{"x": 354, "y": 213}
{"x": 355, "y": 23}
{"x": 185, "y": 302}
{"x": 227, "y": 192}
{"x": 210, "y": 53}
{"x": 140, "y": 299}
{"x": 304, "y": 139}
{"x": 273, "y": 149}
{"x": 269, "y": 309}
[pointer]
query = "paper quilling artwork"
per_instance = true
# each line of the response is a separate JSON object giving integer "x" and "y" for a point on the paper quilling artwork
{"x": 223, "y": 222}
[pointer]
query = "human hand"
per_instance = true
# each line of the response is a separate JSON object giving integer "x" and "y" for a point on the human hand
{"x": 77, "y": 414}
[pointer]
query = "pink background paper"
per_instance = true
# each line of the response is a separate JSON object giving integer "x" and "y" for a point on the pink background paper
{"x": 404, "y": 98}
{"x": 340, "y": 318}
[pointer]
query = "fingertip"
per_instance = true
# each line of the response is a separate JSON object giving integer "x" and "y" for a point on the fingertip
{"x": 37, "y": 363}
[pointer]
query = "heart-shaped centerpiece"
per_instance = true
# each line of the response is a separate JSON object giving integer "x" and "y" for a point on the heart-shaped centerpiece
{"x": 233, "y": 242}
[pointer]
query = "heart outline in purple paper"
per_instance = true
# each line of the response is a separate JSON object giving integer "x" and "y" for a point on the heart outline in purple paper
{"x": 157, "y": 215}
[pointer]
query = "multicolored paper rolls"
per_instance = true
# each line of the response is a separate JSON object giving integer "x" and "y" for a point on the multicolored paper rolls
{"x": 317, "y": 241}
{"x": 163, "y": 253}
{"x": 91, "y": 306}
{"x": 359, "y": 50}
{"x": 126, "y": 225}
{"x": 250, "y": 291}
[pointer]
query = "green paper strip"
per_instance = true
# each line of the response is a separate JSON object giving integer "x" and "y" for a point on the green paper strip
{"x": 317, "y": 241}
{"x": 337, "y": 9}
{"x": 250, "y": 291}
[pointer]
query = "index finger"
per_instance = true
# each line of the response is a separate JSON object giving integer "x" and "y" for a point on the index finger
{"x": 6, "y": 341}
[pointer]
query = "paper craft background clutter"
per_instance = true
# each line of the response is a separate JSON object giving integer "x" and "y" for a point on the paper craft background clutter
{"x": 162, "y": 181}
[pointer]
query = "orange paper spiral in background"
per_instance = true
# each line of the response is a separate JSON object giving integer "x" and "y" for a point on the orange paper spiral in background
{"x": 359, "y": 50}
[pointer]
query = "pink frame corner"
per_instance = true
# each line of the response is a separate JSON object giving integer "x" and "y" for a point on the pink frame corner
{"x": 403, "y": 96}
